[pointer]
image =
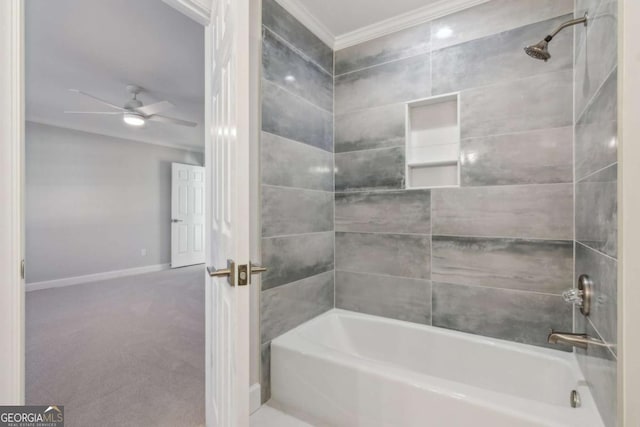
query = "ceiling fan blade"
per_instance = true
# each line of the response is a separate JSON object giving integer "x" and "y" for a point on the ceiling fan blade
{"x": 93, "y": 112}
{"x": 102, "y": 101}
{"x": 171, "y": 120}
{"x": 154, "y": 108}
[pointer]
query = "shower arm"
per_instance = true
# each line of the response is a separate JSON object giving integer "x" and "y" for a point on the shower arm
{"x": 571, "y": 23}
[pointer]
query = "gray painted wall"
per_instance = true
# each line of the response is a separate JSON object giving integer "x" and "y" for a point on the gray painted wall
{"x": 297, "y": 178}
{"x": 596, "y": 214}
{"x": 93, "y": 202}
{"x": 493, "y": 256}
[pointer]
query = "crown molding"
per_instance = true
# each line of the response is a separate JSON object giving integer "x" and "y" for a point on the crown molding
{"x": 313, "y": 24}
{"x": 400, "y": 22}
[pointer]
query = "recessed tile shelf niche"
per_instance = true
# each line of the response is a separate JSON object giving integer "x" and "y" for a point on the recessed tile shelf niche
{"x": 433, "y": 142}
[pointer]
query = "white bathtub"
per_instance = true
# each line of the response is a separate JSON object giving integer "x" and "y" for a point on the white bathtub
{"x": 351, "y": 369}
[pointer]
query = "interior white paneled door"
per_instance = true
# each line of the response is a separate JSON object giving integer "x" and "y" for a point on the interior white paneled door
{"x": 187, "y": 215}
{"x": 228, "y": 217}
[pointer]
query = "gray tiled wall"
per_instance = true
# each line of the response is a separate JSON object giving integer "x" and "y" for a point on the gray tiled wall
{"x": 493, "y": 256}
{"x": 297, "y": 178}
{"x": 596, "y": 191}
{"x": 490, "y": 257}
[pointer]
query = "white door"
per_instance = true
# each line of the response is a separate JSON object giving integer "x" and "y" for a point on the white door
{"x": 187, "y": 215}
{"x": 228, "y": 220}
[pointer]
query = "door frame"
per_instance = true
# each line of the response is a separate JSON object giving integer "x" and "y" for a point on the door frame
{"x": 12, "y": 161}
{"x": 12, "y": 124}
{"x": 12, "y": 119}
{"x": 628, "y": 212}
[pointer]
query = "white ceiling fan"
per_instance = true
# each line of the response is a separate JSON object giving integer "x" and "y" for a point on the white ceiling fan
{"x": 134, "y": 112}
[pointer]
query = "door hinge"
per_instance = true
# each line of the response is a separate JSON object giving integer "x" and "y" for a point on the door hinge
{"x": 22, "y": 269}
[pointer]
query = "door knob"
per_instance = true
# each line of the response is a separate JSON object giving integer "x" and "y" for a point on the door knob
{"x": 228, "y": 272}
{"x": 176, "y": 220}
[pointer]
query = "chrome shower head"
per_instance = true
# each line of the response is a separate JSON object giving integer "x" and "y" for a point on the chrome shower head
{"x": 539, "y": 50}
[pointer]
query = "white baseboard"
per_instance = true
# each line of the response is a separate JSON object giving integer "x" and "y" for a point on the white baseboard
{"x": 254, "y": 398}
{"x": 68, "y": 281}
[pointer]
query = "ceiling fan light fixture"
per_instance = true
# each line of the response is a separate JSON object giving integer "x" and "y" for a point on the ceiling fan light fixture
{"x": 133, "y": 119}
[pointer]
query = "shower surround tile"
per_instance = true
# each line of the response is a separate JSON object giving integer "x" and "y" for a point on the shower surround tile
{"x": 265, "y": 371}
{"x": 497, "y": 58}
{"x": 293, "y": 258}
{"x": 404, "y": 211}
{"x": 388, "y": 83}
{"x": 597, "y": 130}
{"x": 401, "y": 44}
{"x": 524, "y": 317}
{"x": 371, "y": 128}
{"x": 544, "y": 266}
{"x": 281, "y": 22}
{"x": 603, "y": 271}
{"x": 598, "y": 55}
{"x": 288, "y": 163}
{"x": 599, "y": 366}
{"x": 537, "y": 157}
{"x": 370, "y": 169}
{"x": 494, "y": 17}
{"x": 295, "y": 211}
{"x": 527, "y": 211}
{"x": 597, "y": 211}
{"x": 287, "y": 68}
{"x": 297, "y": 177}
{"x": 292, "y": 117}
{"x": 393, "y": 297}
{"x": 402, "y": 255}
{"x": 596, "y": 153}
{"x": 538, "y": 102}
{"x": 285, "y": 307}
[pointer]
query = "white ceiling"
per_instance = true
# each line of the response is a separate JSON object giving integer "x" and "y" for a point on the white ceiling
{"x": 101, "y": 46}
{"x": 341, "y": 17}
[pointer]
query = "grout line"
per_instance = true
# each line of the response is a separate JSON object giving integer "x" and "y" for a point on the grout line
{"x": 374, "y": 149}
{"x": 615, "y": 356}
{"x": 522, "y": 291}
{"x": 298, "y": 96}
{"x": 596, "y": 94}
{"x": 584, "y": 178}
{"x": 382, "y": 275}
{"x": 431, "y": 257}
{"x": 520, "y": 132}
{"x": 296, "y": 282}
{"x": 297, "y": 50}
{"x": 385, "y": 63}
{"x": 541, "y": 239}
{"x": 437, "y": 236}
{"x": 573, "y": 171}
{"x": 370, "y": 190}
{"x": 310, "y": 233}
{"x": 383, "y": 233}
{"x": 285, "y": 187}
{"x": 333, "y": 157}
{"x": 297, "y": 142}
{"x": 596, "y": 251}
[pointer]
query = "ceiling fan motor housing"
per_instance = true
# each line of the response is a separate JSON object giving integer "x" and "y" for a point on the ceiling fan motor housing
{"x": 132, "y": 104}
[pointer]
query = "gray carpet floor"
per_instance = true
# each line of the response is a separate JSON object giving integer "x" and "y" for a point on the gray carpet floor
{"x": 122, "y": 352}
